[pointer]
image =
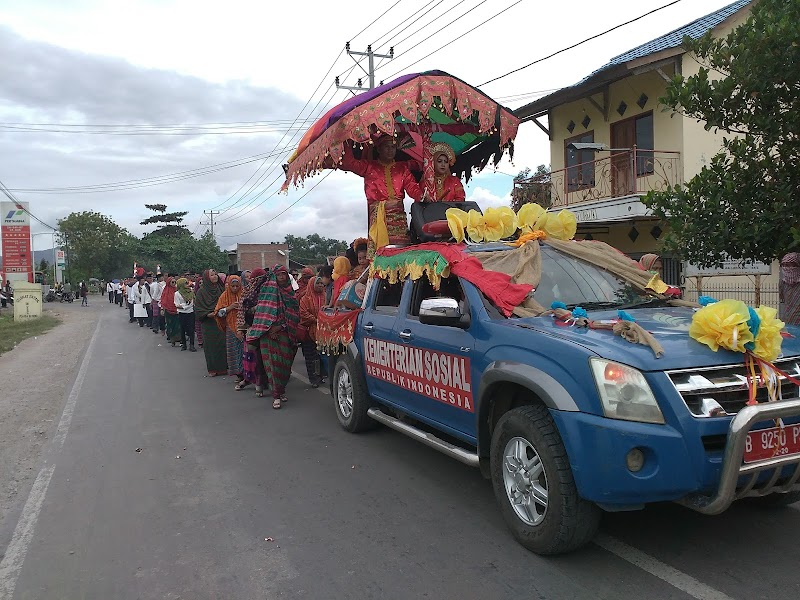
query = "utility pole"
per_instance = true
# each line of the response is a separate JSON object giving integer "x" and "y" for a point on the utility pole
{"x": 370, "y": 72}
{"x": 211, "y": 213}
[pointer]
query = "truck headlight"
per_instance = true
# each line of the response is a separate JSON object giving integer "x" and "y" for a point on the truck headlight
{"x": 624, "y": 392}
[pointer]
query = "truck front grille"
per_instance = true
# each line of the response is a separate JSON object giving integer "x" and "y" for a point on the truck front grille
{"x": 706, "y": 390}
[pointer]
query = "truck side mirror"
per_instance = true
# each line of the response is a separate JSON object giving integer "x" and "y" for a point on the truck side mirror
{"x": 442, "y": 311}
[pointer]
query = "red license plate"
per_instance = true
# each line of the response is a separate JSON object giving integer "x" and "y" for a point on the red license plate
{"x": 772, "y": 442}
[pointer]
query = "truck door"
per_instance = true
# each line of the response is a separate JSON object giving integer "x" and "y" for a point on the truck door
{"x": 379, "y": 334}
{"x": 435, "y": 366}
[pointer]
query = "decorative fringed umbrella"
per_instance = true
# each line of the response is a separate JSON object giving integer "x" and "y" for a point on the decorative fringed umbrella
{"x": 428, "y": 107}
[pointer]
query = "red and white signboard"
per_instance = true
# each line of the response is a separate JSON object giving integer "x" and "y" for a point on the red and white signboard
{"x": 438, "y": 375}
{"x": 15, "y": 230}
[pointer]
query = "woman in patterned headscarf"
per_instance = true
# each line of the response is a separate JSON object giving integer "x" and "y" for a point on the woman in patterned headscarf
{"x": 275, "y": 326}
{"x": 205, "y": 303}
{"x": 227, "y": 310}
{"x": 167, "y": 303}
{"x": 252, "y": 364}
{"x": 310, "y": 305}
{"x": 790, "y": 288}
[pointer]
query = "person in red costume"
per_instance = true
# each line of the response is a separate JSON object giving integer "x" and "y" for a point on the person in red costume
{"x": 386, "y": 183}
{"x": 448, "y": 186}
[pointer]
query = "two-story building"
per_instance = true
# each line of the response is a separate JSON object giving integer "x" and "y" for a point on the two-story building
{"x": 611, "y": 141}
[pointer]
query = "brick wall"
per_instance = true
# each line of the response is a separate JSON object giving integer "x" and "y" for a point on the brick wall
{"x": 255, "y": 256}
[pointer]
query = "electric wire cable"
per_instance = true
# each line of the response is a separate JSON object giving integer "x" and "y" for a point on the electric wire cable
{"x": 461, "y": 37}
{"x": 283, "y": 211}
{"x": 655, "y": 10}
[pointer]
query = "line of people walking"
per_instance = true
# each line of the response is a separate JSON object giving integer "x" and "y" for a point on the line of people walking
{"x": 249, "y": 326}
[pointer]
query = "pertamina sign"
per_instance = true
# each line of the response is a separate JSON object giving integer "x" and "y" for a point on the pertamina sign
{"x": 438, "y": 375}
{"x": 15, "y": 230}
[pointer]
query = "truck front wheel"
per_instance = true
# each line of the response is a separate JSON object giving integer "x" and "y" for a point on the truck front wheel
{"x": 350, "y": 398}
{"x": 534, "y": 486}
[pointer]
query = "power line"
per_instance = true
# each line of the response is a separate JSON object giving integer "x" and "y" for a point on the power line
{"x": 429, "y": 23}
{"x": 462, "y": 36}
{"x": 581, "y": 42}
{"x": 376, "y": 20}
{"x": 153, "y": 131}
{"x": 403, "y": 22}
{"x": 243, "y": 211}
{"x": 146, "y": 182}
{"x": 322, "y": 80}
{"x": 283, "y": 211}
{"x": 18, "y": 203}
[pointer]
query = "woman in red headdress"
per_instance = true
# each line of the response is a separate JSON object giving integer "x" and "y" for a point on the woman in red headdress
{"x": 448, "y": 186}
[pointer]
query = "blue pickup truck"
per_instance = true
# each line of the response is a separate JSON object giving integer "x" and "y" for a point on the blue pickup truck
{"x": 569, "y": 422}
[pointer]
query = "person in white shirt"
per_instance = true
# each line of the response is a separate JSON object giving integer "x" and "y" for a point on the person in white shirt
{"x": 129, "y": 295}
{"x": 110, "y": 292}
{"x": 184, "y": 302}
{"x": 141, "y": 300}
{"x": 159, "y": 323}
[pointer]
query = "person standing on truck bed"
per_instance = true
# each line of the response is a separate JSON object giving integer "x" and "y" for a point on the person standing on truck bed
{"x": 448, "y": 186}
{"x": 386, "y": 183}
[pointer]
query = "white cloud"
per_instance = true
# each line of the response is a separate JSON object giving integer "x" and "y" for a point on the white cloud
{"x": 201, "y": 61}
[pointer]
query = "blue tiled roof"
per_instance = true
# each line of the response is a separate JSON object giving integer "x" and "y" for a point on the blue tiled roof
{"x": 673, "y": 39}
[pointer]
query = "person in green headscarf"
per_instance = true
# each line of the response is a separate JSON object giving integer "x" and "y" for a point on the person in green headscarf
{"x": 184, "y": 302}
{"x": 205, "y": 303}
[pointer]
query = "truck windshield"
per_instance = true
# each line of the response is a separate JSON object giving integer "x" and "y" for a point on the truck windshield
{"x": 577, "y": 283}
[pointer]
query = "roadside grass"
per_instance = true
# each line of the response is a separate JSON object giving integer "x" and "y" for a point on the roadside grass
{"x": 12, "y": 333}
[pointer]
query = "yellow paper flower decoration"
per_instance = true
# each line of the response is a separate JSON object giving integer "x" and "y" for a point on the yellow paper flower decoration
{"x": 509, "y": 220}
{"x": 457, "y": 222}
{"x": 769, "y": 339}
{"x": 722, "y": 324}
{"x": 531, "y": 217}
{"x": 561, "y": 226}
{"x": 476, "y": 226}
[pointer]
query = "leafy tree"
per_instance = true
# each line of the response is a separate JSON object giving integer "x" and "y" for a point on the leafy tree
{"x": 44, "y": 266}
{"x": 95, "y": 246}
{"x": 313, "y": 249}
{"x": 192, "y": 255}
{"x": 531, "y": 188}
{"x": 171, "y": 224}
{"x": 744, "y": 204}
{"x": 158, "y": 245}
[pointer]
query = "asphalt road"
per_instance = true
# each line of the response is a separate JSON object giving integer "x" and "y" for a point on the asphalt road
{"x": 229, "y": 499}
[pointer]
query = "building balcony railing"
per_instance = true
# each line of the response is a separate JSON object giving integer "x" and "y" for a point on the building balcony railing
{"x": 621, "y": 174}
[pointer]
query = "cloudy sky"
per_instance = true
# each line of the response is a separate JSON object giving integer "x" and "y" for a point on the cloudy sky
{"x": 196, "y": 103}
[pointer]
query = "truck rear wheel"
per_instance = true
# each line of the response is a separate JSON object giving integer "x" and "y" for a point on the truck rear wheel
{"x": 350, "y": 399}
{"x": 534, "y": 486}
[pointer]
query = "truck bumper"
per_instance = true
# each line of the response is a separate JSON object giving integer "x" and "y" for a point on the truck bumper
{"x": 738, "y": 480}
{"x": 598, "y": 447}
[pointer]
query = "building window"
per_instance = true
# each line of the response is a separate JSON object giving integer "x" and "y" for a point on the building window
{"x": 580, "y": 165}
{"x": 644, "y": 144}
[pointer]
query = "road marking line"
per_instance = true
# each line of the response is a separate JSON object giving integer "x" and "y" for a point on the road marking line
{"x": 14, "y": 557}
{"x": 69, "y": 407}
{"x": 23, "y": 533}
{"x": 672, "y": 576}
{"x": 677, "y": 579}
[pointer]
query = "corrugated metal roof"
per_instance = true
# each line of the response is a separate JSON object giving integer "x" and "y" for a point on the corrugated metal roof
{"x": 673, "y": 39}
